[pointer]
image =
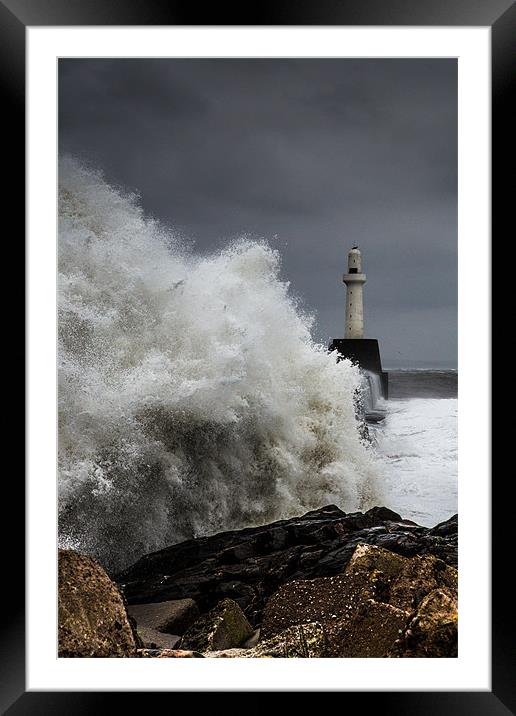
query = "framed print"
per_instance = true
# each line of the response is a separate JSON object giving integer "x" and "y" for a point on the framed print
{"x": 258, "y": 263}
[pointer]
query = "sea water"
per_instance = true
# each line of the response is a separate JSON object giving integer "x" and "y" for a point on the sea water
{"x": 417, "y": 445}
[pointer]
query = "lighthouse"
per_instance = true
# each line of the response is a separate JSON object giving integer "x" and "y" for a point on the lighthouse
{"x": 354, "y": 280}
{"x": 363, "y": 351}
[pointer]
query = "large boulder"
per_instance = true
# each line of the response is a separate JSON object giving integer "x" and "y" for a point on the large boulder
{"x": 367, "y": 559}
{"x": 223, "y": 627}
{"x": 92, "y": 616}
{"x": 372, "y": 573}
{"x": 170, "y": 617}
{"x": 397, "y": 580}
{"x": 432, "y": 630}
{"x": 365, "y": 610}
{"x": 369, "y": 633}
{"x": 323, "y": 600}
{"x": 249, "y": 565}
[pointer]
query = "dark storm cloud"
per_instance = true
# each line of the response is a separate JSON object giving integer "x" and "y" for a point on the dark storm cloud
{"x": 315, "y": 155}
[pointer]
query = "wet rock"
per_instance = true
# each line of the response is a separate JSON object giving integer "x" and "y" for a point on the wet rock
{"x": 371, "y": 573}
{"x": 365, "y": 610}
{"x": 223, "y": 627}
{"x": 169, "y": 617}
{"x": 92, "y": 617}
{"x": 432, "y": 630}
{"x": 249, "y": 565}
{"x": 153, "y": 639}
{"x": 303, "y": 641}
{"x": 168, "y": 654}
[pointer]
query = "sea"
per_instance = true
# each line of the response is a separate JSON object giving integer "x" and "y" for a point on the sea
{"x": 417, "y": 444}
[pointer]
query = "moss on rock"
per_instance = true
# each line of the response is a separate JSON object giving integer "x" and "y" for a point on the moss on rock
{"x": 223, "y": 627}
{"x": 303, "y": 641}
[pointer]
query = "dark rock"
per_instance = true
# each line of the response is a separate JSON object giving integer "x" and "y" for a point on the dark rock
{"x": 93, "y": 621}
{"x": 223, "y": 627}
{"x": 170, "y": 617}
{"x": 432, "y": 630}
{"x": 152, "y": 639}
{"x": 445, "y": 529}
{"x": 253, "y": 640}
{"x": 249, "y": 565}
{"x": 383, "y": 513}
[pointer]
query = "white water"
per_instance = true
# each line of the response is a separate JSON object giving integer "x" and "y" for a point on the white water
{"x": 372, "y": 393}
{"x": 192, "y": 398}
{"x": 417, "y": 445}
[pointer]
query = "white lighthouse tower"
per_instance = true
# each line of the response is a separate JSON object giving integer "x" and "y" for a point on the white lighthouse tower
{"x": 354, "y": 280}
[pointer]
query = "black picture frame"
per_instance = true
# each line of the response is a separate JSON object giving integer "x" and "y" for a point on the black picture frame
{"x": 15, "y": 17}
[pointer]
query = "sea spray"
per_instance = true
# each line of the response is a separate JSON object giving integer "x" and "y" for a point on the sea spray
{"x": 192, "y": 398}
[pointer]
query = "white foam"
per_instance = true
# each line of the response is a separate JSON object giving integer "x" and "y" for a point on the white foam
{"x": 192, "y": 398}
{"x": 417, "y": 444}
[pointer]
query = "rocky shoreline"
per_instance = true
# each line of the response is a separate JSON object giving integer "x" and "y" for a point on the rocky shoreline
{"x": 326, "y": 584}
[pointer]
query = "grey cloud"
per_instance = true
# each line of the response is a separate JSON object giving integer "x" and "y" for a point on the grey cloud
{"x": 314, "y": 155}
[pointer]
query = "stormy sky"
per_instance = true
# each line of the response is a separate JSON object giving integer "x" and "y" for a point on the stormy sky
{"x": 313, "y": 155}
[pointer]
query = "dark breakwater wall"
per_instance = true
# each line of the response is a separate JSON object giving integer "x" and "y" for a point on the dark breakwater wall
{"x": 365, "y": 352}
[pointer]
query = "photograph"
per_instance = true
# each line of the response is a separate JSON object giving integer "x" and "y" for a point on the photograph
{"x": 257, "y": 357}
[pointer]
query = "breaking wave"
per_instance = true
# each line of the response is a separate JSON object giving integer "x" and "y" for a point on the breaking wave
{"x": 192, "y": 398}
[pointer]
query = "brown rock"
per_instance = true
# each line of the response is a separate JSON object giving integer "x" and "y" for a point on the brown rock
{"x": 93, "y": 621}
{"x": 333, "y": 599}
{"x": 368, "y": 558}
{"x": 305, "y": 641}
{"x": 305, "y": 601}
{"x": 229, "y": 654}
{"x": 171, "y": 617}
{"x": 370, "y": 632}
{"x": 168, "y": 654}
{"x": 418, "y": 577}
{"x": 432, "y": 630}
{"x": 372, "y": 573}
{"x": 223, "y": 627}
